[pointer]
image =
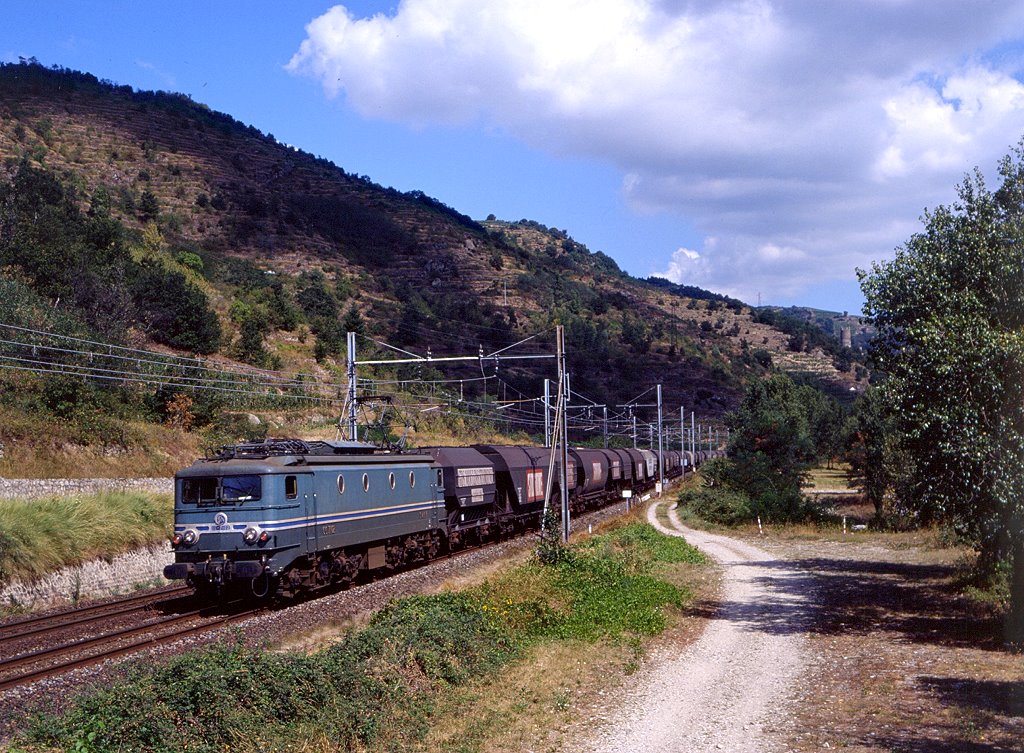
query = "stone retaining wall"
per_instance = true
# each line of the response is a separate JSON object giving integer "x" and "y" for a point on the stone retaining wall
{"x": 34, "y": 488}
{"x": 94, "y": 579}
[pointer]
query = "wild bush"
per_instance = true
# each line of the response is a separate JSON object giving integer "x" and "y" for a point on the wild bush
{"x": 719, "y": 505}
{"x": 176, "y": 312}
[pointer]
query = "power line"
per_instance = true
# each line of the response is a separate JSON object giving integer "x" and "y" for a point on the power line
{"x": 112, "y": 347}
{"x": 154, "y": 380}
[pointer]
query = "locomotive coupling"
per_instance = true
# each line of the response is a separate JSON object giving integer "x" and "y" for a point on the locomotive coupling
{"x": 218, "y": 571}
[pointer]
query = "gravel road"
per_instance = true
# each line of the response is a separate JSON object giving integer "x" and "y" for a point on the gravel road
{"x": 730, "y": 689}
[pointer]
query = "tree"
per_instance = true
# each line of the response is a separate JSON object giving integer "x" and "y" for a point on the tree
{"x": 175, "y": 311}
{"x": 869, "y": 448}
{"x": 149, "y": 206}
{"x": 826, "y": 423}
{"x": 949, "y": 313}
{"x": 771, "y": 446}
{"x": 317, "y": 302}
{"x": 773, "y": 424}
{"x": 252, "y": 329}
{"x": 353, "y": 321}
{"x": 76, "y": 260}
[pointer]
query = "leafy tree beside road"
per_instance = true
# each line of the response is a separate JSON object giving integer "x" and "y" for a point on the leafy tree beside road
{"x": 949, "y": 310}
{"x": 779, "y": 431}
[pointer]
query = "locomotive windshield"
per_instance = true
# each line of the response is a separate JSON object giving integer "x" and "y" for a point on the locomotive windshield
{"x": 224, "y": 490}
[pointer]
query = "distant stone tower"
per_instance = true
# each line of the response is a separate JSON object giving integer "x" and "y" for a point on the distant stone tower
{"x": 846, "y": 337}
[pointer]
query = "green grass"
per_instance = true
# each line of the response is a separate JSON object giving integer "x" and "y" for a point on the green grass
{"x": 379, "y": 686}
{"x": 43, "y": 535}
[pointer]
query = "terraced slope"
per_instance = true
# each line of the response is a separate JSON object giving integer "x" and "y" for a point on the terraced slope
{"x": 409, "y": 265}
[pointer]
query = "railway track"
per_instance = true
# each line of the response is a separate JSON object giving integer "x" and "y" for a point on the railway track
{"x": 19, "y": 629}
{"x": 37, "y": 647}
{"x": 90, "y": 635}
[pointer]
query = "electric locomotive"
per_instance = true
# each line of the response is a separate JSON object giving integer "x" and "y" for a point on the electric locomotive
{"x": 294, "y": 515}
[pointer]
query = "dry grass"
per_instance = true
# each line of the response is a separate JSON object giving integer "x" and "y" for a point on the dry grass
{"x": 902, "y": 660}
{"x": 47, "y": 452}
{"x": 533, "y": 704}
{"x": 44, "y": 535}
{"x": 828, "y": 478}
{"x": 324, "y": 635}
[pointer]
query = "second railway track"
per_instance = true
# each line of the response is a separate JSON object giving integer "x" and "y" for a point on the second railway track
{"x": 90, "y": 635}
{"x": 17, "y": 630}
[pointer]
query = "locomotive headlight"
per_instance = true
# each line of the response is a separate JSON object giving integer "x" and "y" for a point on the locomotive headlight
{"x": 190, "y": 537}
{"x": 176, "y": 539}
{"x": 251, "y": 535}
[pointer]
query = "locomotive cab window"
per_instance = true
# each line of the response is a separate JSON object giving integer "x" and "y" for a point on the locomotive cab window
{"x": 229, "y": 490}
{"x": 241, "y": 489}
{"x": 199, "y": 491}
{"x": 291, "y": 487}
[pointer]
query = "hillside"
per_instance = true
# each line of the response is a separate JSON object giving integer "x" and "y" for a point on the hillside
{"x": 265, "y": 255}
{"x": 857, "y": 334}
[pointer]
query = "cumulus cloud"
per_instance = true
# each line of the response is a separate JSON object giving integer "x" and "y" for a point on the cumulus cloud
{"x": 800, "y": 138}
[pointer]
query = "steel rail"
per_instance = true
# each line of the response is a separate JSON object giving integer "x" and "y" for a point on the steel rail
{"x": 42, "y": 624}
{"x": 50, "y": 670}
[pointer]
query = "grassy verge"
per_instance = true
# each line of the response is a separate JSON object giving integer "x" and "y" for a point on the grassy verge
{"x": 398, "y": 681}
{"x": 43, "y": 535}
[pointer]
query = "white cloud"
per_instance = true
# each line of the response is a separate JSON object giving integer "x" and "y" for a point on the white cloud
{"x": 803, "y": 137}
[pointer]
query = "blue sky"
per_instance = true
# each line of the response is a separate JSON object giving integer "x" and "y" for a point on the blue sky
{"x": 752, "y": 147}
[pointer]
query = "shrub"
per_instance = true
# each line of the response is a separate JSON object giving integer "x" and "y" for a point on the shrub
{"x": 718, "y": 505}
{"x": 177, "y": 313}
{"x": 372, "y": 682}
{"x": 317, "y": 302}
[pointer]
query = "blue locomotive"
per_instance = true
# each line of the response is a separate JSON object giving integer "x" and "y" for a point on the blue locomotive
{"x": 293, "y": 516}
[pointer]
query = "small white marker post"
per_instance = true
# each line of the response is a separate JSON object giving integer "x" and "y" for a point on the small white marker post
{"x": 759, "y": 529}
{"x": 844, "y": 525}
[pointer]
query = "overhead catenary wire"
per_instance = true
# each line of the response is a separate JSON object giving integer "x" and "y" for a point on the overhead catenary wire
{"x": 125, "y": 349}
{"x": 108, "y": 362}
{"x": 156, "y": 381}
{"x": 116, "y": 363}
{"x": 218, "y": 374}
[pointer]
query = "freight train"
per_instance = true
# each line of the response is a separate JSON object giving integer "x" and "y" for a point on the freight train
{"x": 288, "y": 516}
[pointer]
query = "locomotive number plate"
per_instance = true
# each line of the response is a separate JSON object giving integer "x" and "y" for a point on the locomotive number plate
{"x": 329, "y": 530}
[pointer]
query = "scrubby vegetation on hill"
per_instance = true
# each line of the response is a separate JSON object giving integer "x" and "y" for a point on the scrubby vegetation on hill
{"x": 147, "y": 219}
